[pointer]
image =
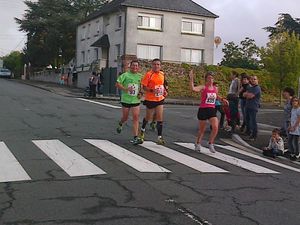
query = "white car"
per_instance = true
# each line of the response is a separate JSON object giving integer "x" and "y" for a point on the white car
{"x": 5, "y": 73}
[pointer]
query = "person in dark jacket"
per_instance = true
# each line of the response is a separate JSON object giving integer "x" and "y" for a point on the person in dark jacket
{"x": 244, "y": 86}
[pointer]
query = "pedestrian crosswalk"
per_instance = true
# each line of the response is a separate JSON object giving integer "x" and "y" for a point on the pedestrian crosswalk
{"x": 75, "y": 164}
{"x": 133, "y": 160}
{"x": 232, "y": 160}
{"x": 69, "y": 160}
{"x": 10, "y": 168}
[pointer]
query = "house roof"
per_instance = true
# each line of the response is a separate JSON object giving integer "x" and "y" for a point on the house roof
{"x": 179, "y": 6}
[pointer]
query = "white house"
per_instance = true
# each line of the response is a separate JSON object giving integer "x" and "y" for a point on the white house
{"x": 172, "y": 30}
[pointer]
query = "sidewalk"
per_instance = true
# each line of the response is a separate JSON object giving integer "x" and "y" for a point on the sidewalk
{"x": 269, "y": 116}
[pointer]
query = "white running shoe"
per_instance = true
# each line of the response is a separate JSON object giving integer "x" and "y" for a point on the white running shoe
{"x": 211, "y": 148}
{"x": 197, "y": 147}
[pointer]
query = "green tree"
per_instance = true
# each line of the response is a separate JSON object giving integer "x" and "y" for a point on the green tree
{"x": 281, "y": 57}
{"x": 14, "y": 61}
{"x": 51, "y": 29}
{"x": 285, "y": 23}
{"x": 244, "y": 56}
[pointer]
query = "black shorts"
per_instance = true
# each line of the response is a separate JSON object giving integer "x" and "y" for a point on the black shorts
{"x": 126, "y": 105}
{"x": 152, "y": 104}
{"x": 206, "y": 113}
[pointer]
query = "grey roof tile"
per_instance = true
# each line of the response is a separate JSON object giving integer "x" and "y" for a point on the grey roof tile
{"x": 180, "y": 6}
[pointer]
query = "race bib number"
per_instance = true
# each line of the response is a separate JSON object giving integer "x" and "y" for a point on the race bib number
{"x": 211, "y": 98}
{"x": 133, "y": 89}
{"x": 159, "y": 90}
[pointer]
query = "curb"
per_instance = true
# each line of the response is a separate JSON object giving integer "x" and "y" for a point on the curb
{"x": 237, "y": 139}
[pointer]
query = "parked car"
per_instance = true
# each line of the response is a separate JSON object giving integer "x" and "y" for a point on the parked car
{"x": 6, "y": 73}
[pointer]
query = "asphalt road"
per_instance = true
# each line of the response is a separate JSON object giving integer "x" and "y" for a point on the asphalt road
{"x": 70, "y": 181}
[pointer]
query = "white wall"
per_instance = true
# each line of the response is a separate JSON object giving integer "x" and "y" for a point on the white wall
{"x": 108, "y": 25}
{"x": 171, "y": 37}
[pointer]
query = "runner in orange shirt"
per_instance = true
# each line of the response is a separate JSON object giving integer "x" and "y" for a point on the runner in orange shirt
{"x": 155, "y": 93}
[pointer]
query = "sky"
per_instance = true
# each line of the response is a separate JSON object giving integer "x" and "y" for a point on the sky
{"x": 237, "y": 20}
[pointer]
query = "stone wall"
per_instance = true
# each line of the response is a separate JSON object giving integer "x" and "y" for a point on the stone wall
{"x": 176, "y": 75}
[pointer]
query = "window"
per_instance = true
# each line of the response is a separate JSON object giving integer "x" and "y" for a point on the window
{"x": 148, "y": 21}
{"x": 193, "y": 56}
{"x": 88, "y": 56}
{"x": 148, "y": 51}
{"x": 97, "y": 28}
{"x": 118, "y": 21}
{"x": 83, "y": 33}
{"x": 83, "y": 57}
{"x": 118, "y": 50}
{"x": 106, "y": 20}
{"x": 192, "y": 26}
{"x": 88, "y": 31}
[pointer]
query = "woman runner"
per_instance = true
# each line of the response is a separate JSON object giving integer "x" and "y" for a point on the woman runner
{"x": 207, "y": 111}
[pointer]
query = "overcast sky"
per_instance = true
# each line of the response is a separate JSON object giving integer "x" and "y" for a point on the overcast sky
{"x": 237, "y": 20}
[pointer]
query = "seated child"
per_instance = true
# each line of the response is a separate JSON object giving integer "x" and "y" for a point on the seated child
{"x": 276, "y": 145}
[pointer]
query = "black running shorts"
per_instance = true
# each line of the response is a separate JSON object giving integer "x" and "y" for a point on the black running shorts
{"x": 126, "y": 105}
{"x": 206, "y": 113}
{"x": 152, "y": 104}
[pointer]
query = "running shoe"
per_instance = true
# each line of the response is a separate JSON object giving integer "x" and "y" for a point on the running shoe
{"x": 160, "y": 141}
{"x": 142, "y": 134}
{"x": 198, "y": 147}
{"x": 119, "y": 128}
{"x": 293, "y": 157}
{"x": 136, "y": 141}
{"x": 153, "y": 125}
{"x": 211, "y": 148}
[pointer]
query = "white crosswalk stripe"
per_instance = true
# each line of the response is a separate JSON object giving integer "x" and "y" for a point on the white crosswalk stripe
{"x": 234, "y": 149}
{"x": 69, "y": 160}
{"x": 191, "y": 162}
{"x": 75, "y": 164}
{"x": 229, "y": 159}
{"x": 10, "y": 168}
{"x": 135, "y": 161}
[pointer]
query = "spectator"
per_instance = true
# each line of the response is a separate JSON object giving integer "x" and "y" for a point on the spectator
{"x": 244, "y": 86}
{"x": 100, "y": 83}
{"x": 288, "y": 93}
{"x": 74, "y": 76}
{"x": 276, "y": 145}
{"x": 219, "y": 108}
{"x": 294, "y": 130}
{"x": 93, "y": 81}
{"x": 234, "y": 120}
{"x": 252, "y": 96}
{"x": 235, "y": 84}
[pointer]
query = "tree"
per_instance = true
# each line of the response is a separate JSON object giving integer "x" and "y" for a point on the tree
{"x": 244, "y": 56}
{"x": 285, "y": 23}
{"x": 51, "y": 29}
{"x": 14, "y": 61}
{"x": 281, "y": 57}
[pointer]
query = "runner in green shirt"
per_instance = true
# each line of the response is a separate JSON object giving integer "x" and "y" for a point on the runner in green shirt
{"x": 130, "y": 85}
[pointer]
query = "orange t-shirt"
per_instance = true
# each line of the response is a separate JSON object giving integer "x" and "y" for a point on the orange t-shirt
{"x": 154, "y": 81}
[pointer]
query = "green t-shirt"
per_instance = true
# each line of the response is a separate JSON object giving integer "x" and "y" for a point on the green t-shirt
{"x": 129, "y": 79}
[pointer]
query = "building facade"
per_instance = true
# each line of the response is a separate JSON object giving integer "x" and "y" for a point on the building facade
{"x": 172, "y": 30}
